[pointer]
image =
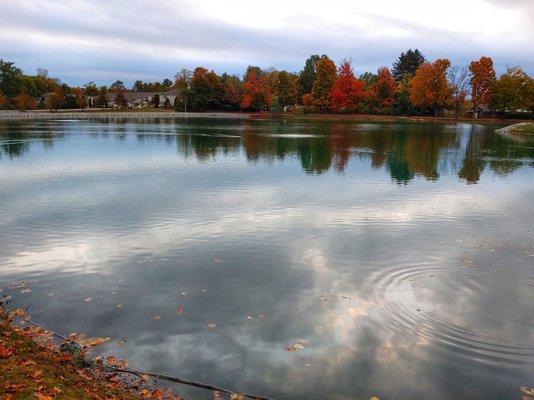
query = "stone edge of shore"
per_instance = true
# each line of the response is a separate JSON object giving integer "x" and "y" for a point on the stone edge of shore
{"x": 32, "y": 115}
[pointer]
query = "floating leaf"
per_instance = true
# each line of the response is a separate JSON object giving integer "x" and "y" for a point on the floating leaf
{"x": 19, "y": 312}
{"x": 88, "y": 299}
{"x": 212, "y": 326}
{"x": 297, "y": 346}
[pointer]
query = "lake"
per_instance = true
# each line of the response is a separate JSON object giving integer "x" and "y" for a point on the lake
{"x": 295, "y": 259}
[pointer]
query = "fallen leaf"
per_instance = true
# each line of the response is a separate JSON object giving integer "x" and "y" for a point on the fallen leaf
{"x": 88, "y": 299}
{"x": 111, "y": 360}
{"x": 41, "y": 396}
{"x": 19, "y": 312}
{"x": 212, "y": 326}
{"x": 5, "y": 353}
{"x": 466, "y": 261}
{"x": 297, "y": 346}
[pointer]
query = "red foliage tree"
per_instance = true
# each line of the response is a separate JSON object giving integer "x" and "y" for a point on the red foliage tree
{"x": 257, "y": 94}
{"x": 346, "y": 90}
{"x": 383, "y": 90}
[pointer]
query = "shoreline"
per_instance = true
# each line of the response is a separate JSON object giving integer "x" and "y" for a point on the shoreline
{"x": 85, "y": 115}
{"x": 153, "y": 114}
{"x": 518, "y": 129}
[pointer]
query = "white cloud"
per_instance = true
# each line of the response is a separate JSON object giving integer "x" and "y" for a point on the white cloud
{"x": 147, "y": 39}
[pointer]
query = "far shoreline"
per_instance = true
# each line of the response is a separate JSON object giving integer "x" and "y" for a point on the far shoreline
{"x": 152, "y": 114}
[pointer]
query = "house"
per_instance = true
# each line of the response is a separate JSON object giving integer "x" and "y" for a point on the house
{"x": 168, "y": 98}
{"x": 138, "y": 99}
{"x": 480, "y": 111}
{"x": 133, "y": 99}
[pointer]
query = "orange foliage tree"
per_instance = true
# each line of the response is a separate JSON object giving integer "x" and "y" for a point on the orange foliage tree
{"x": 307, "y": 100}
{"x": 429, "y": 86}
{"x": 55, "y": 100}
{"x": 3, "y": 100}
{"x": 24, "y": 102}
{"x": 384, "y": 89}
{"x": 322, "y": 86}
{"x": 346, "y": 90}
{"x": 482, "y": 80}
{"x": 256, "y": 93}
{"x": 81, "y": 102}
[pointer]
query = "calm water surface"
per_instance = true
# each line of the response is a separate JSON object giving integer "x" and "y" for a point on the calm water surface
{"x": 398, "y": 258}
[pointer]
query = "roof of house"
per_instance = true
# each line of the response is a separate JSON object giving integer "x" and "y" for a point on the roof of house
{"x": 172, "y": 92}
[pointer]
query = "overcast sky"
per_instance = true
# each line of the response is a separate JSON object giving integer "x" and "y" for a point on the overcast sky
{"x": 79, "y": 40}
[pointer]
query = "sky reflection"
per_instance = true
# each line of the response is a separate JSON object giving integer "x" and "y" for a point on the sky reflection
{"x": 370, "y": 243}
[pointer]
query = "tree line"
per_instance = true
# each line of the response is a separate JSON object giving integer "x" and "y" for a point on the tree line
{"x": 413, "y": 86}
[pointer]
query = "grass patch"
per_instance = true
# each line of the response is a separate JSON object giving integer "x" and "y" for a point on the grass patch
{"x": 526, "y": 128}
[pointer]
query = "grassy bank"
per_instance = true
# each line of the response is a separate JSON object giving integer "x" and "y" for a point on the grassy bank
{"x": 32, "y": 367}
{"x": 523, "y": 128}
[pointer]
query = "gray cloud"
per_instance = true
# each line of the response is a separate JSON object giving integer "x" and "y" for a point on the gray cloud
{"x": 104, "y": 41}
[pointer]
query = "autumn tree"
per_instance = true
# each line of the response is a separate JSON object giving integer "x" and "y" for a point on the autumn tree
{"x": 286, "y": 88}
{"x": 81, "y": 102}
{"x": 233, "y": 90}
{"x": 383, "y": 89}
{"x": 3, "y": 100}
{"x": 307, "y": 100}
{"x": 482, "y": 80}
{"x": 322, "y": 86}
{"x": 346, "y": 89}
{"x": 206, "y": 89}
{"x": 24, "y": 101}
{"x": 55, "y": 100}
{"x": 256, "y": 93}
{"x": 407, "y": 63}
{"x": 429, "y": 86}
{"x": 459, "y": 84}
{"x": 512, "y": 90}
{"x": 308, "y": 74}
{"x": 403, "y": 104}
{"x": 369, "y": 79}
